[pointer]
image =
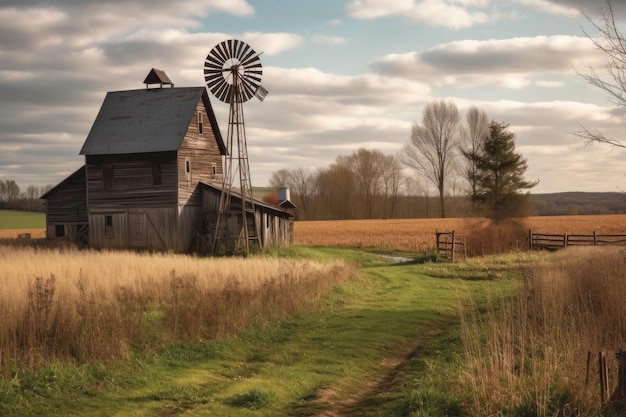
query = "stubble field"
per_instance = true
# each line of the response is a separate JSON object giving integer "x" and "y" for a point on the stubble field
{"x": 419, "y": 234}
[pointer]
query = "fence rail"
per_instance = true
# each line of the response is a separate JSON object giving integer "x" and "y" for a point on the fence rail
{"x": 545, "y": 241}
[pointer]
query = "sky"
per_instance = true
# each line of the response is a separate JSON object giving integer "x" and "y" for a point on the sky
{"x": 341, "y": 75}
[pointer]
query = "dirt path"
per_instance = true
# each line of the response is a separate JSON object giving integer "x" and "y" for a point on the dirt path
{"x": 366, "y": 398}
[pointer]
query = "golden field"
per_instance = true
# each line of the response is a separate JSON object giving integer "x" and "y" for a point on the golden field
{"x": 419, "y": 234}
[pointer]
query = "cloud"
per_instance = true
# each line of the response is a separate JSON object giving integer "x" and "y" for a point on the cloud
{"x": 508, "y": 63}
{"x": 330, "y": 40}
{"x": 564, "y": 7}
{"x": 454, "y": 14}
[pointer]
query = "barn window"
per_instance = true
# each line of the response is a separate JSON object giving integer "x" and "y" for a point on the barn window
{"x": 107, "y": 175}
{"x": 200, "y": 128}
{"x": 108, "y": 226}
{"x": 59, "y": 230}
{"x": 188, "y": 169}
{"x": 157, "y": 173}
{"x": 214, "y": 168}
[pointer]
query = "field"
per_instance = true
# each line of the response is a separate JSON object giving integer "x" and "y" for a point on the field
{"x": 293, "y": 332}
{"x": 418, "y": 235}
{"x": 11, "y": 219}
{"x": 413, "y": 235}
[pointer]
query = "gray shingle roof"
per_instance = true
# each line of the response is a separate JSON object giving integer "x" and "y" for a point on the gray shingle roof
{"x": 146, "y": 120}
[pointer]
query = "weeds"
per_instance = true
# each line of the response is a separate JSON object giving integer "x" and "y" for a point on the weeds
{"x": 102, "y": 305}
{"x": 527, "y": 357}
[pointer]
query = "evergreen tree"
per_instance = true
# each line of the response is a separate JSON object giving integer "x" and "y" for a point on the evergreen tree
{"x": 501, "y": 175}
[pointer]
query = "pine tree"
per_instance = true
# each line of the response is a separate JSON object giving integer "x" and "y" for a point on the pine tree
{"x": 501, "y": 175}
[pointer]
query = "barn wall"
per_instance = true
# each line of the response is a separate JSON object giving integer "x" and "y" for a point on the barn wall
{"x": 132, "y": 182}
{"x": 135, "y": 228}
{"x": 202, "y": 152}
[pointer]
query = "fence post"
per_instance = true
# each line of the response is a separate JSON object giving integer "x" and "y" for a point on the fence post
{"x": 595, "y": 238}
{"x": 604, "y": 378}
{"x": 530, "y": 239}
{"x": 453, "y": 248}
{"x": 437, "y": 238}
{"x": 565, "y": 241}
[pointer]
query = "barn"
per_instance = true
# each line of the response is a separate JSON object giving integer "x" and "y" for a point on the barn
{"x": 152, "y": 176}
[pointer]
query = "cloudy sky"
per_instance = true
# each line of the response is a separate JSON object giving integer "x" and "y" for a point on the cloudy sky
{"x": 342, "y": 74}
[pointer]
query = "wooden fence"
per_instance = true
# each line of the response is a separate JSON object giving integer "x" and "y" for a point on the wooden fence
{"x": 449, "y": 246}
{"x": 544, "y": 241}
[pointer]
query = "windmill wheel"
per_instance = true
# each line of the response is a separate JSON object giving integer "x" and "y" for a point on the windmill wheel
{"x": 233, "y": 67}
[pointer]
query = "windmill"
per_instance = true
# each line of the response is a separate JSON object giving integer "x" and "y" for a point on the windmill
{"x": 232, "y": 71}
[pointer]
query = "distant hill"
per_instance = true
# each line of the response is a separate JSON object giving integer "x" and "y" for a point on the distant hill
{"x": 571, "y": 203}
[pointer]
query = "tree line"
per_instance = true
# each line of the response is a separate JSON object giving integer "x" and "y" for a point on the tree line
{"x": 470, "y": 164}
{"x": 12, "y": 198}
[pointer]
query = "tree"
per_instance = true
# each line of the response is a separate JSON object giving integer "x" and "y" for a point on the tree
{"x": 501, "y": 174}
{"x": 336, "y": 187}
{"x": 433, "y": 144}
{"x": 391, "y": 181}
{"x": 473, "y": 133}
{"x": 367, "y": 169}
{"x": 613, "y": 45}
{"x": 302, "y": 185}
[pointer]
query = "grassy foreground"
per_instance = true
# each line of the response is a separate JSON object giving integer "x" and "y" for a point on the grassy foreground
{"x": 384, "y": 344}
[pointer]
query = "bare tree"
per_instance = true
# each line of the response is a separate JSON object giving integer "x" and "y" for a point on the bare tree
{"x": 612, "y": 43}
{"x": 473, "y": 134}
{"x": 367, "y": 169}
{"x": 391, "y": 181}
{"x": 432, "y": 147}
{"x": 302, "y": 185}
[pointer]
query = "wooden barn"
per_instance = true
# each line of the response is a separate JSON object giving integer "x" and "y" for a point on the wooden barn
{"x": 152, "y": 175}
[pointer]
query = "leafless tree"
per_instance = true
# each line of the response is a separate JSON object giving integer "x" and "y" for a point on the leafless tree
{"x": 473, "y": 133}
{"x": 612, "y": 44}
{"x": 302, "y": 185}
{"x": 367, "y": 169}
{"x": 391, "y": 181}
{"x": 432, "y": 148}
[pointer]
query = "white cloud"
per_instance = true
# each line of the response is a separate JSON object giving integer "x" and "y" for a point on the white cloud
{"x": 505, "y": 62}
{"x": 570, "y": 10}
{"x": 331, "y": 40}
{"x": 454, "y": 14}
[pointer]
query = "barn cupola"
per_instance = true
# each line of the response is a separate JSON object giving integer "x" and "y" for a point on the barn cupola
{"x": 157, "y": 76}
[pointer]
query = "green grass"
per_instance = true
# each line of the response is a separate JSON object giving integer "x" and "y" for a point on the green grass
{"x": 396, "y": 327}
{"x": 12, "y": 219}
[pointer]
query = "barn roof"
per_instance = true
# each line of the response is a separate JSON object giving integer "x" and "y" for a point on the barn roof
{"x": 235, "y": 195}
{"x": 76, "y": 176}
{"x": 147, "y": 120}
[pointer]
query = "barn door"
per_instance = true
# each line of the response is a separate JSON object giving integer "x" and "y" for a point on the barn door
{"x": 137, "y": 226}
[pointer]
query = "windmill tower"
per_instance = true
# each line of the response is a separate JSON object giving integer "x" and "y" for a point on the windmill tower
{"x": 232, "y": 71}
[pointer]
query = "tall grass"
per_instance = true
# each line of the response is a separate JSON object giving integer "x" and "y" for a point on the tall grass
{"x": 82, "y": 305}
{"x": 529, "y": 356}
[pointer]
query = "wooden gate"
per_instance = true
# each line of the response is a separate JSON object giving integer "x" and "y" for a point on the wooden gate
{"x": 449, "y": 246}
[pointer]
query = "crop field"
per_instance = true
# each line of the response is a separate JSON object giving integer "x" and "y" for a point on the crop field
{"x": 419, "y": 234}
{"x": 12, "y": 219}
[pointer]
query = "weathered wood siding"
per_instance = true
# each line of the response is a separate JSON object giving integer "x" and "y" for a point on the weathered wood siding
{"x": 66, "y": 206}
{"x": 132, "y": 182}
{"x": 275, "y": 225}
{"x": 202, "y": 153}
{"x": 136, "y": 228}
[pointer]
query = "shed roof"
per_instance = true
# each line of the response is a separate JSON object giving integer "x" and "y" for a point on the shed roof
{"x": 236, "y": 195}
{"x": 76, "y": 176}
{"x": 147, "y": 120}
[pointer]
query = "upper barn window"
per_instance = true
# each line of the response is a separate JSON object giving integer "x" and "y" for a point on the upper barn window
{"x": 200, "y": 126}
{"x": 107, "y": 175}
{"x": 157, "y": 173}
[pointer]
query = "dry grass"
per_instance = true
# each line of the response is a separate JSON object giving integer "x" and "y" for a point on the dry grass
{"x": 81, "y": 305}
{"x": 528, "y": 357}
{"x": 418, "y": 235}
{"x": 14, "y": 233}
